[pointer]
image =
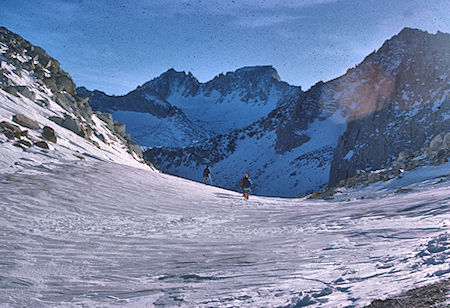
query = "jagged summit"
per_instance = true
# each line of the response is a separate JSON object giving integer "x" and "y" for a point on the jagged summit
{"x": 227, "y": 102}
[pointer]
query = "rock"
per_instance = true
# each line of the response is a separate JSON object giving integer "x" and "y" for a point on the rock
{"x": 23, "y": 142}
{"x": 42, "y": 103}
{"x": 133, "y": 146}
{"x": 85, "y": 132}
{"x": 119, "y": 128}
{"x": 26, "y": 92}
{"x": 403, "y": 155}
{"x": 64, "y": 102}
{"x": 11, "y": 90}
{"x": 65, "y": 83}
{"x": 437, "y": 142}
{"x": 42, "y": 144}
{"x": 107, "y": 118}
{"x": 72, "y": 124}
{"x": 25, "y": 121}
{"x": 57, "y": 120}
{"x": 374, "y": 177}
{"x": 101, "y": 137}
{"x": 49, "y": 134}
{"x": 10, "y": 130}
{"x": 96, "y": 144}
{"x": 446, "y": 141}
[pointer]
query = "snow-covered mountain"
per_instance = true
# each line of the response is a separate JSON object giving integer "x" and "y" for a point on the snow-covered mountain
{"x": 396, "y": 99}
{"x": 176, "y": 110}
{"x": 42, "y": 118}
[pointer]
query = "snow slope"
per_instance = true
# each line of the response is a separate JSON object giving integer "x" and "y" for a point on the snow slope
{"x": 303, "y": 169}
{"x": 95, "y": 233}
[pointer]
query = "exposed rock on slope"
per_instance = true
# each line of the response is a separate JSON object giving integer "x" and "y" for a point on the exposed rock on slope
{"x": 40, "y": 98}
{"x": 401, "y": 100}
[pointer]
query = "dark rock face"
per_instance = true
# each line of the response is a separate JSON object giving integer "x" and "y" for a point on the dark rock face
{"x": 405, "y": 103}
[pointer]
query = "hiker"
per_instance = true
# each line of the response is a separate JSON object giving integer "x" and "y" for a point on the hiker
{"x": 246, "y": 185}
{"x": 207, "y": 175}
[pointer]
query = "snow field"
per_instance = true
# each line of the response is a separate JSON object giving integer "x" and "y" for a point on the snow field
{"x": 99, "y": 233}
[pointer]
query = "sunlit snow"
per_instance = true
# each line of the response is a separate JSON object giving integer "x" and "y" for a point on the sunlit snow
{"x": 97, "y": 233}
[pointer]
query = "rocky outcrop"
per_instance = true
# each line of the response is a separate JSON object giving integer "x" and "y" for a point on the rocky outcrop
{"x": 36, "y": 60}
{"x": 10, "y": 130}
{"x": 403, "y": 104}
{"x": 29, "y": 73}
{"x": 437, "y": 153}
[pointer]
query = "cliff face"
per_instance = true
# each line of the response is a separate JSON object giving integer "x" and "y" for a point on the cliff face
{"x": 400, "y": 103}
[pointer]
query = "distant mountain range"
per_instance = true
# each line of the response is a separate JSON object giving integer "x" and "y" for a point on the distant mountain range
{"x": 176, "y": 110}
{"x": 292, "y": 142}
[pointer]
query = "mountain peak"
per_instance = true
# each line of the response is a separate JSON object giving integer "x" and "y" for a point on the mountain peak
{"x": 259, "y": 70}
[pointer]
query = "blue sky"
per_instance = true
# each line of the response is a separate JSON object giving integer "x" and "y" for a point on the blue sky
{"x": 115, "y": 45}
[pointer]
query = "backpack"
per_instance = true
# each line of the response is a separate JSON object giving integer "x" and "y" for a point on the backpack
{"x": 246, "y": 183}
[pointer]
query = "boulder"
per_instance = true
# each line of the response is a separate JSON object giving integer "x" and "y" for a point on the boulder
{"x": 42, "y": 144}
{"x": 25, "y": 121}
{"x": 57, "y": 120}
{"x": 64, "y": 102}
{"x": 11, "y": 90}
{"x": 10, "y": 130}
{"x": 72, "y": 124}
{"x": 119, "y": 128}
{"x": 26, "y": 92}
{"x": 101, "y": 137}
{"x": 49, "y": 134}
{"x": 22, "y": 142}
{"x": 107, "y": 118}
{"x": 65, "y": 83}
{"x": 437, "y": 142}
{"x": 446, "y": 141}
{"x": 133, "y": 146}
{"x": 374, "y": 177}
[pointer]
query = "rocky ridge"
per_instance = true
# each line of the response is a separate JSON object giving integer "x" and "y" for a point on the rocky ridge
{"x": 184, "y": 111}
{"x": 28, "y": 75}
